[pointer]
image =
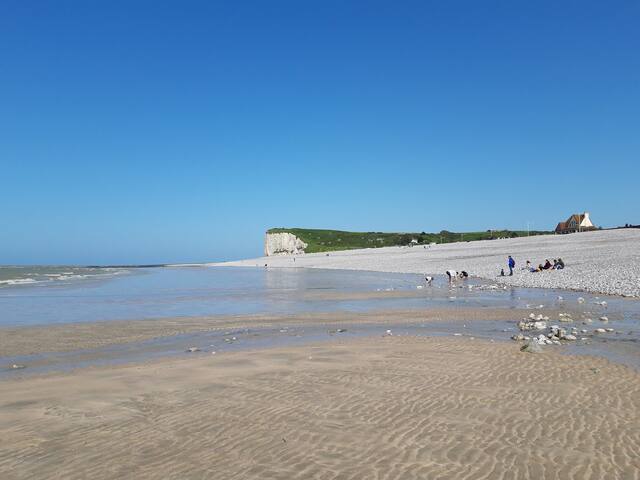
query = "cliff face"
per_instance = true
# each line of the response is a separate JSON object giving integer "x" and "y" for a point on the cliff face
{"x": 283, "y": 244}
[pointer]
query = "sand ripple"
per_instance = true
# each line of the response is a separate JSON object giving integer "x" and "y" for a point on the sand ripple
{"x": 382, "y": 408}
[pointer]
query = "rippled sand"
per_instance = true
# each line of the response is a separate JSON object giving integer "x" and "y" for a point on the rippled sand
{"x": 382, "y": 407}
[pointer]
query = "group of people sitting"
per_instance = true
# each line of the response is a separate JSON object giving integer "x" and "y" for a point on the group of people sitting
{"x": 557, "y": 264}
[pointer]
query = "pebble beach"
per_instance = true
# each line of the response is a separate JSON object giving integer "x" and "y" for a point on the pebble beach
{"x": 606, "y": 262}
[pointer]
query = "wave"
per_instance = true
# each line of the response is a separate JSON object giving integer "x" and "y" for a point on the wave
{"x": 42, "y": 276}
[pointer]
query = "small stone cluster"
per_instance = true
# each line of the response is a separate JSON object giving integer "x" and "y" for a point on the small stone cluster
{"x": 553, "y": 334}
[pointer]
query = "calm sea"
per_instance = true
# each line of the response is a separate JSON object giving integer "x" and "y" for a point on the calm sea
{"x": 48, "y": 295}
{"x": 44, "y": 295}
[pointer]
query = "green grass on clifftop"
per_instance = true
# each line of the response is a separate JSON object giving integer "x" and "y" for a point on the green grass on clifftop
{"x": 330, "y": 240}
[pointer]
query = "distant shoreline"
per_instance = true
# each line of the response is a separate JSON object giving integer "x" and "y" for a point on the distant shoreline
{"x": 601, "y": 261}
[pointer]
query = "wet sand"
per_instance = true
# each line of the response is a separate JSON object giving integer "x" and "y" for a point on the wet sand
{"x": 380, "y": 407}
{"x": 84, "y": 336}
{"x": 325, "y": 395}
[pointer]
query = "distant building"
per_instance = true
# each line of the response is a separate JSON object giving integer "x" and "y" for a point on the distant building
{"x": 578, "y": 222}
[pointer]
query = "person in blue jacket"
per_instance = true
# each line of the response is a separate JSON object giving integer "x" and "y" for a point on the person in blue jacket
{"x": 512, "y": 264}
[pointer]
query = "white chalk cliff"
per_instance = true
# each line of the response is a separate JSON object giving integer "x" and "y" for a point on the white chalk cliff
{"x": 283, "y": 244}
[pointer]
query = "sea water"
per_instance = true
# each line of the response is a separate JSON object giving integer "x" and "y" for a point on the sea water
{"x": 89, "y": 295}
{"x": 149, "y": 293}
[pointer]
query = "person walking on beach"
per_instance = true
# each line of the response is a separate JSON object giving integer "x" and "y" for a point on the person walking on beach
{"x": 512, "y": 264}
{"x": 452, "y": 274}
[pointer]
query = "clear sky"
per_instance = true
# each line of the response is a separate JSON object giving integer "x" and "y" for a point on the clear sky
{"x": 146, "y": 131}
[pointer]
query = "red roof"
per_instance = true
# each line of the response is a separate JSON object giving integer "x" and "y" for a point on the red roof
{"x": 561, "y": 226}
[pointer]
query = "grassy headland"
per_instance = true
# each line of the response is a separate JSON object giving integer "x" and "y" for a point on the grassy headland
{"x": 331, "y": 240}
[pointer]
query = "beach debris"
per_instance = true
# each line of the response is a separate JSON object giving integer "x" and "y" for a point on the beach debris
{"x": 518, "y": 337}
{"x": 609, "y": 330}
{"x": 18, "y": 366}
{"x": 599, "y": 330}
{"x": 560, "y": 298}
{"x": 587, "y": 321}
{"x": 457, "y": 334}
{"x": 580, "y": 300}
{"x": 213, "y": 353}
{"x": 604, "y": 319}
{"x": 192, "y": 349}
{"x": 531, "y": 347}
{"x": 388, "y": 333}
{"x": 602, "y": 303}
{"x": 419, "y": 287}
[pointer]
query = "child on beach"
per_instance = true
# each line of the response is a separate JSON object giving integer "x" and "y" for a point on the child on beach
{"x": 452, "y": 274}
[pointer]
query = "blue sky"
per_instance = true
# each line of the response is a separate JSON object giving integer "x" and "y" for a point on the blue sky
{"x": 180, "y": 131}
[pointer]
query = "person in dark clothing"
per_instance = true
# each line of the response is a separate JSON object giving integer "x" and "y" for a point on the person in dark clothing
{"x": 560, "y": 264}
{"x": 547, "y": 265}
{"x": 512, "y": 263}
{"x": 464, "y": 275}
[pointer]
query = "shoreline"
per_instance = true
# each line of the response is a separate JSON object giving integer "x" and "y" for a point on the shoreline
{"x": 73, "y": 337}
{"x": 603, "y": 262}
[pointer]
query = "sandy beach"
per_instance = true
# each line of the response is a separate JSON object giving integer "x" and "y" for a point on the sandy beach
{"x": 605, "y": 262}
{"x": 387, "y": 407}
{"x": 436, "y": 391}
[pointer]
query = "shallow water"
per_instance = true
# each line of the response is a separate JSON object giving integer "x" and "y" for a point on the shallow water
{"x": 173, "y": 292}
{"x": 201, "y": 291}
